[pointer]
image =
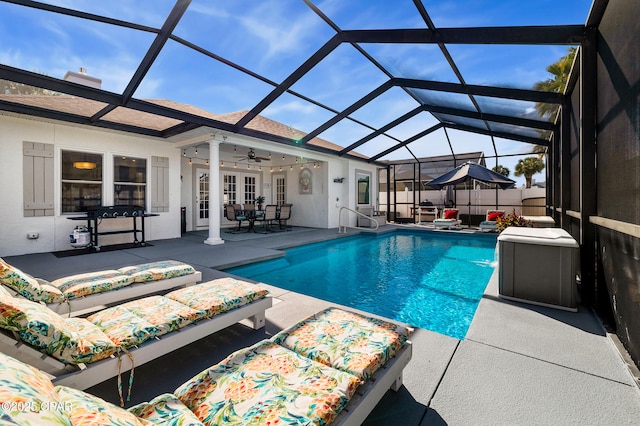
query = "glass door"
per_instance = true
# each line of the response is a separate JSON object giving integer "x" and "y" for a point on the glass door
{"x": 202, "y": 197}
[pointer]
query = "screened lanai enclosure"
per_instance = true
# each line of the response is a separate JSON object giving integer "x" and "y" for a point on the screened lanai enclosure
{"x": 412, "y": 87}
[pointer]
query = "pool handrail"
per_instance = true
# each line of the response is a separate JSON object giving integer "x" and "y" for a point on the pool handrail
{"x": 340, "y": 226}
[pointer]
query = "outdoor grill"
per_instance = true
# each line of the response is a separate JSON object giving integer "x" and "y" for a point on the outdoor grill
{"x": 114, "y": 211}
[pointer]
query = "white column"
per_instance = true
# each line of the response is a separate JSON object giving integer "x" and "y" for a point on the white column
{"x": 214, "y": 194}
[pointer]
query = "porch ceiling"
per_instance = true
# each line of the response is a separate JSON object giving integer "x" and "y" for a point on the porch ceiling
{"x": 334, "y": 68}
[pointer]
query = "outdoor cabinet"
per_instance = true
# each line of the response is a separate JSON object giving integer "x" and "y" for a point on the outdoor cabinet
{"x": 539, "y": 266}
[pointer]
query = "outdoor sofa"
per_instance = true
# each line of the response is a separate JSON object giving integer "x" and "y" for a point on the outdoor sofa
{"x": 332, "y": 368}
{"x": 79, "y": 293}
{"x": 81, "y": 352}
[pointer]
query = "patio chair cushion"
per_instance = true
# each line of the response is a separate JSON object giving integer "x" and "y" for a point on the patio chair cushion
{"x": 345, "y": 340}
{"x": 451, "y": 214}
{"x": 25, "y": 393}
{"x": 135, "y": 322}
{"x": 157, "y": 271}
{"x": 494, "y": 215}
{"x": 165, "y": 409}
{"x": 70, "y": 340}
{"x": 266, "y": 384}
{"x": 19, "y": 281}
{"x": 103, "y": 279}
{"x": 218, "y": 296}
{"x": 86, "y": 409}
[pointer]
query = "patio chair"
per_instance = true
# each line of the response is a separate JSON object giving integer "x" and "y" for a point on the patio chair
{"x": 490, "y": 224}
{"x": 340, "y": 383}
{"x": 448, "y": 220}
{"x": 267, "y": 218}
{"x": 234, "y": 214}
{"x": 82, "y": 293}
{"x": 284, "y": 216}
{"x": 82, "y": 352}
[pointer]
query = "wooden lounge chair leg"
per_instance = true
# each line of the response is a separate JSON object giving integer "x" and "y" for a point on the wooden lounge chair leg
{"x": 397, "y": 384}
{"x": 258, "y": 321}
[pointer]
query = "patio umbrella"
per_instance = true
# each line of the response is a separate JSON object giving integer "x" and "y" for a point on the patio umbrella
{"x": 470, "y": 171}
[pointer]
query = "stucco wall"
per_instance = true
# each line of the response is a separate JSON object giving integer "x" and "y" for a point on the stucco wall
{"x": 54, "y": 230}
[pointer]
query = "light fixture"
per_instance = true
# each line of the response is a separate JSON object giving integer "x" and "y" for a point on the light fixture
{"x": 280, "y": 168}
{"x": 196, "y": 151}
{"x": 282, "y": 157}
{"x": 235, "y": 165}
{"x": 190, "y": 162}
{"x": 292, "y": 167}
{"x": 221, "y": 163}
{"x": 207, "y": 162}
{"x": 271, "y": 170}
{"x": 84, "y": 165}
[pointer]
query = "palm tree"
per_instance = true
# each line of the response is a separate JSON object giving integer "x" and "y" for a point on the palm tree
{"x": 557, "y": 83}
{"x": 502, "y": 170}
{"x": 528, "y": 167}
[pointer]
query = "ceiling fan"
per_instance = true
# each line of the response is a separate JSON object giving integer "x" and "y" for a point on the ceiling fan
{"x": 251, "y": 156}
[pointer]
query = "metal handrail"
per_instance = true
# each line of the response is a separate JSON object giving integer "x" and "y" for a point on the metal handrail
{"x": 340, "y": 226}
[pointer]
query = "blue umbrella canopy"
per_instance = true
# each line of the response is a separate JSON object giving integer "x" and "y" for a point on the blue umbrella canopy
{"x": 469, "y": 171}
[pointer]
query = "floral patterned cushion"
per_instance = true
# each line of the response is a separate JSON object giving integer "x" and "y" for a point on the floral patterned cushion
{"x": 19, "y": 281}
{"x": 157, "y": 271}
{"x": 345, "y": 340}
{"x": 123, "y": 327}
{"x": 87, "y": 409}
{"x": 167, "y": 410}
{"x": 28, "y": 396}
{"x": 92, "y": 282}
{"x": 218, "y": 296}
{"x": 11, "y": 313}
{"x": 268, "y": 384}
{"x": 165, "y": 314}
{"x": 71, "y": 340}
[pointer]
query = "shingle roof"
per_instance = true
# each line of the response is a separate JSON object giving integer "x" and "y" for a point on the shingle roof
{"x": 122, "y": 115}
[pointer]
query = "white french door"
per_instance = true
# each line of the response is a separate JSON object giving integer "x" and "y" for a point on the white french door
{"x": 279, "y": 189}
{"x": 202, "y": 197}
{"x": 238, "y": 188}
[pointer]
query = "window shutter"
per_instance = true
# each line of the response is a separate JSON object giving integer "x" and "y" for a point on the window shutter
{"x": 160, "y": 184}
{"x": 37, "y": 171}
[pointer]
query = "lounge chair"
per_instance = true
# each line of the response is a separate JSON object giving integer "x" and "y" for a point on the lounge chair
{"x": 280, "y": 380}
{"x": 82, "y": 352}
{"x": 490, "y": 222}
{"x": 449, "y": 219}
{"x": 80, "y": 293}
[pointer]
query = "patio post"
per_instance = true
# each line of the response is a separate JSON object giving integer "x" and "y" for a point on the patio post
{"x": 214, "y": 193}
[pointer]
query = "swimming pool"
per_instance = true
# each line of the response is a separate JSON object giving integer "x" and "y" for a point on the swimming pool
{"x": 431, "y": 280}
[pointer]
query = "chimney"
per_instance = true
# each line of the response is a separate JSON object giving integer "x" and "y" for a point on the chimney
{"x": 81, "y": 77}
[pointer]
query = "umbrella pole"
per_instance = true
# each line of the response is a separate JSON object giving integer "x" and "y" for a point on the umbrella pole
{"x": 469, "y": 207}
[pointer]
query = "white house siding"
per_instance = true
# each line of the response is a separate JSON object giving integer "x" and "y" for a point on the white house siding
{"x": 54, "y": 230}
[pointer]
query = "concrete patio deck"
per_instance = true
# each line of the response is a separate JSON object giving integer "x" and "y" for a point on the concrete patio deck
{"x": 519, "y": 364}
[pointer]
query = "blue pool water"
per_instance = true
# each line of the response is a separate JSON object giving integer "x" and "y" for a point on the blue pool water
{"x": 426, "y": 279}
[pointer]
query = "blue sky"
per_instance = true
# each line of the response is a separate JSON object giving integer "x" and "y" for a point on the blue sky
{"x": 273, "y": 38}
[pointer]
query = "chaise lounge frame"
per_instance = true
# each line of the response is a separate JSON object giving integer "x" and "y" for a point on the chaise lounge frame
{"x": 82, "y": 376}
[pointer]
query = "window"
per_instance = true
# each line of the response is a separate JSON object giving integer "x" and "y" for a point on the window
{"x": 249, "y": 189}
{"x": 81, "y": 181}
{"x": 130, "y": 181}
{"x": 229, "y": 194}
{"x": 363, "y": 180}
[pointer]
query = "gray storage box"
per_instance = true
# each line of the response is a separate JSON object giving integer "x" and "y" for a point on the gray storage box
{"x": 538, "y": 265}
